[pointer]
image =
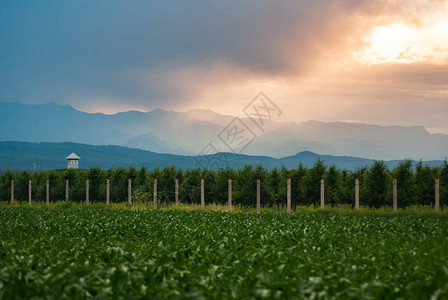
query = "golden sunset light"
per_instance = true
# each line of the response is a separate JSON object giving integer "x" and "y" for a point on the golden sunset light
{"x": 323, "y": 61}
{"x": 391, "y": 44}
{"x": 381, "y": 62}
{"x": 398, "y": 43}
{"x": 256, "y": 149}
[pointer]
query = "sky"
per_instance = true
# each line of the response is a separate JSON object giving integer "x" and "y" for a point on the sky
{"x": 369, "y": 61}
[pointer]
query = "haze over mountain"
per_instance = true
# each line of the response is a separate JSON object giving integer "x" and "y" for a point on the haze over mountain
{"x": 188, "y": 132}
{"x": 353, "y": 139}
{"x": 22, "y": 155}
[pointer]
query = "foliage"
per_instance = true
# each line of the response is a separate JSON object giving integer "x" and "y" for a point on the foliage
{"x": 376, "y": 185}
{"x": 141, "y": 197}
{"x": 406, "y": 182}
{"x": 98, "y": 253}
{"x": 415, "y": 185}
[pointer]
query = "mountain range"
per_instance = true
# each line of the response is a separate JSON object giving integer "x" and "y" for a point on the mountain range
{"x": 22, "y": 155}
{"x": 187, "y": 133}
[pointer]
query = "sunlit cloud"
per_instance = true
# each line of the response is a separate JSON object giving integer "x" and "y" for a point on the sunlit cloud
{"x": 382, "y": 61}
{"x": 399, "y": 43}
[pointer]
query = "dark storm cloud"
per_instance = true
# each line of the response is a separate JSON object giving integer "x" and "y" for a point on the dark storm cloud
{"x": 52, "y": 50}
{"x": 175, "y": 54}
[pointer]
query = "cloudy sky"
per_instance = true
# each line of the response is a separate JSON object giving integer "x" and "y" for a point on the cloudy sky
{"x": 382, "y": 62}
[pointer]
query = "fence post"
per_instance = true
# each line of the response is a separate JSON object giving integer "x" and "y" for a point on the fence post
{"x": 395, "y": 197}
{"x": 176, "y": 191}
{"x": 202, "y": 193}
{"x": 129, "y": 191}
{"x": 155, "y": 193}
{"x": 87, "y": 192}
{"x": 437, "y": 195}
{"x": 30, "y": 195}
{"x": 66, "y": 189}
{"x": 107, "y": 191}
{"x": 29, "y": 192}
{"x": 258, "y": 196}
{"x": 356, "y": 193}
{"x": 230, "y": 194}
{"x": 12, "y": 191}
{"x": 322, "y": 193}
{"x": 288, "y": 195}
{"x": 47, "y": 201}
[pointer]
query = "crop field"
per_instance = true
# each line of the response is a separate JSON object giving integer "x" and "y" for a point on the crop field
{"x": 102, "y": 253}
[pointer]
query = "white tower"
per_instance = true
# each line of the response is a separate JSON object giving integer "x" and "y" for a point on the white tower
{"x": 72, "y": 161}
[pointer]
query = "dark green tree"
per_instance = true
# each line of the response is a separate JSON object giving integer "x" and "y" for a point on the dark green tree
{"x": 405, "y": 183}
{"x": 314, "y": 176}
{"x": 346, "y": 190}
{"x": 21, "y": 186}
{"x": 95, "y": 180}
{"x": 275, "y": 183}
{"x": 165, "y": 184}
{"x": 209, "y": 176}
{"x": 424, "y": 185}
{"x": 332, "y": 185}
{"x": 298, "y": 186}
{"x": 266, "y": 194}
{"x": 376, "y": 185}
{"x": 191, "y": 186}
{"x": 443, "y": 174}
{"x": 246, "y": 195}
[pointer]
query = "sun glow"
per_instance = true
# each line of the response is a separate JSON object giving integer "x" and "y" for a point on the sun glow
{"x": 391, "y": 44}
{"x": 399, "y": 43}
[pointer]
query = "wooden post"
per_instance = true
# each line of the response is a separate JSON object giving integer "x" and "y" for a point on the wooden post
{"x": 202, "y": 193}
{"x": 322, "y": 193}
{"x": 155, "y": 193}
{"x": 288, "y": 195}
{"x": 395, "y": 200}
{"x": 87, "y": 192}
{"x": 356, "y": 193}
{"x": 258, "y": 196}
{"x": 30, "y": 195}
{"x": 107, "y": 191}
{"x": 176, "y": 191}
{"x": 129, "y": 191}
{"x": 66, "y": 189}
{"x": 437, "y": 195}
{"x": 12, "y": 191}
{"x": 48, "y": 193}
{"x": 230, "y": 194}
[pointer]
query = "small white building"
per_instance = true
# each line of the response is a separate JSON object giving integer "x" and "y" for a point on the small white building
{"x": 72, "y": 161}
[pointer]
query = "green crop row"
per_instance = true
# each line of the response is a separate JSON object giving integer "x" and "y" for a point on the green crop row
{"x": 98, "y": 253}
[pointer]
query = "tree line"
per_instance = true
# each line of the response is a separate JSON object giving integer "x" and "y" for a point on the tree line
{"x": 415, "y": 185}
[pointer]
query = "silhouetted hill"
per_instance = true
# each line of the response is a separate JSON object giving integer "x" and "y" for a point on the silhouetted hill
{"x": 157, "y": 130}
{"x": 22, "y": 155}
{"x": 189, "y": 132}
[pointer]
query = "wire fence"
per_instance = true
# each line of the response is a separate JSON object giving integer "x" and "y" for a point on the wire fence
{"x": 100, "y": 191}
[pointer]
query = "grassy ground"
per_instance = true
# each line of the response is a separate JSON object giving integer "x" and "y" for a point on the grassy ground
{"x": 80, "y": 251}
{"x": 412, "y": 211}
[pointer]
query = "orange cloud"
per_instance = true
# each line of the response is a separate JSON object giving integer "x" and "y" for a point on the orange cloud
{"x": 372, "y": 61}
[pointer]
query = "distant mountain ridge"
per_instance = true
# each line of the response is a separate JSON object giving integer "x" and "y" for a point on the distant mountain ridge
{"x": 22, "y": 155}
{"x": 55, "y": 123}
{"x": 353, "y": 139}
{"x": 187, "y": 133}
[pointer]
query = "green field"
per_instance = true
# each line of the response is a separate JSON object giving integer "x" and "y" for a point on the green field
{"x": 99, "y": 253}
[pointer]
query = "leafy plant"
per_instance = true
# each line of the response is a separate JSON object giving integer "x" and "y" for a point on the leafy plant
{"x": 178, "y": 253}
{"x": 141, "y": 197}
